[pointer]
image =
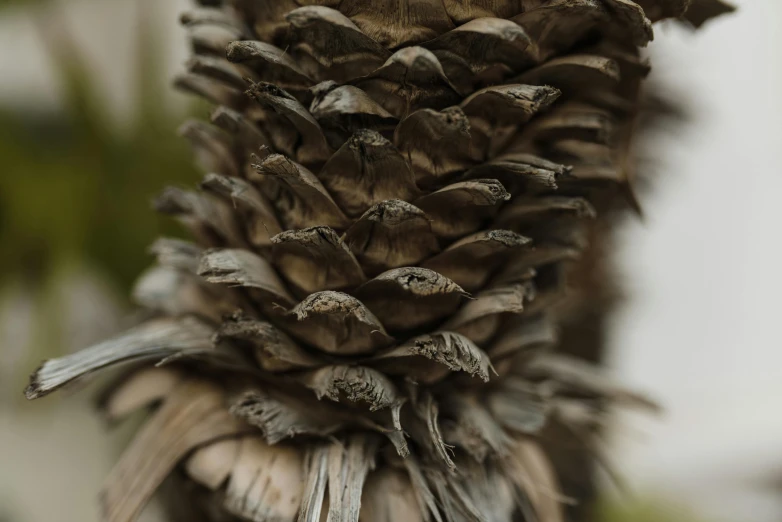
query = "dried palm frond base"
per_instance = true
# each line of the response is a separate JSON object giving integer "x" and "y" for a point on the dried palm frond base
{"x": 397, "y": 195}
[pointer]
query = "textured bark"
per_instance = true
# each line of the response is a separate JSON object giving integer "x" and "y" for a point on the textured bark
{"x": 398, "y": 277}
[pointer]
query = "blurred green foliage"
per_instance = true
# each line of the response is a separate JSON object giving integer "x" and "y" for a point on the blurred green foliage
{"x": 643, "y": 510}
{"x": 10, "y": 3}
{"x": 76, "y": 185}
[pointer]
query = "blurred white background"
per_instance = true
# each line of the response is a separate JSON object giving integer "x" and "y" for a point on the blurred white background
{"x": 699, "y": 330}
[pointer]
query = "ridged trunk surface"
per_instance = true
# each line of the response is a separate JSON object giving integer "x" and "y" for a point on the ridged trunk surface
{"x": 389, "y": 304}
